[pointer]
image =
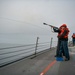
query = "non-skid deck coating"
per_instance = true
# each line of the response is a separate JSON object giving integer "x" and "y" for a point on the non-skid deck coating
{"x": 42, "y": 64}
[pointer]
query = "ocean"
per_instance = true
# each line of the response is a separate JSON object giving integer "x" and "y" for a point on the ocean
{"x": 16, "y": 46}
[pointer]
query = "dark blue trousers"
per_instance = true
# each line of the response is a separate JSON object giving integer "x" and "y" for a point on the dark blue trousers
{"x": 64, "y": 46}
{"x": 73, "y": 41}
{"x": 58, "y": 48}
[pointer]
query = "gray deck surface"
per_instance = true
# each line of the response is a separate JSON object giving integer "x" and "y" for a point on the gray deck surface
{"x": 36, "y": 65}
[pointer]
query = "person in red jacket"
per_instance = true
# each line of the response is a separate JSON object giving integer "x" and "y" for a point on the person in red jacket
{"x": 63, "y": 32}
{"x": 73, "y": 39}
{"x": 59, "y": 41}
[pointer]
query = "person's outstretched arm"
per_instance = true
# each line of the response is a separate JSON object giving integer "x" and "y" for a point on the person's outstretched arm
{"x": 56, "y": 29}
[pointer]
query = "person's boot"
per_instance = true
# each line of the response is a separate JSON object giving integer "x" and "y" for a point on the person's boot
{"x": 67, "y": 59}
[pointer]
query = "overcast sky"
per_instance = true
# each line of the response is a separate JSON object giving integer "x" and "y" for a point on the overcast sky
{"x": 27, "y": 16}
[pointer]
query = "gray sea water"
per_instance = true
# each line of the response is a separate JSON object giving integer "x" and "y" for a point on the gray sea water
{"x": 12, "y": 40}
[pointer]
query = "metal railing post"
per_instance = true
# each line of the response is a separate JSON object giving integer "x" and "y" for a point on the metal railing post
{"x": 36, "y": 45}
{"x": 51, "y": 42}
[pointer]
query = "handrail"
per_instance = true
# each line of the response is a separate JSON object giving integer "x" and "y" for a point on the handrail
{"x": 16, "y": 46}
{"x": 11, "y": 53}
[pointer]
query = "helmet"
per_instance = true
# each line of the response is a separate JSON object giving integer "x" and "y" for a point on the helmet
{"x": 63, "y": 25}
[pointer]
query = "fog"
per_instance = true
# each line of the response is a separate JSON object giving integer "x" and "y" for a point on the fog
{"x": 27, "y": 16}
